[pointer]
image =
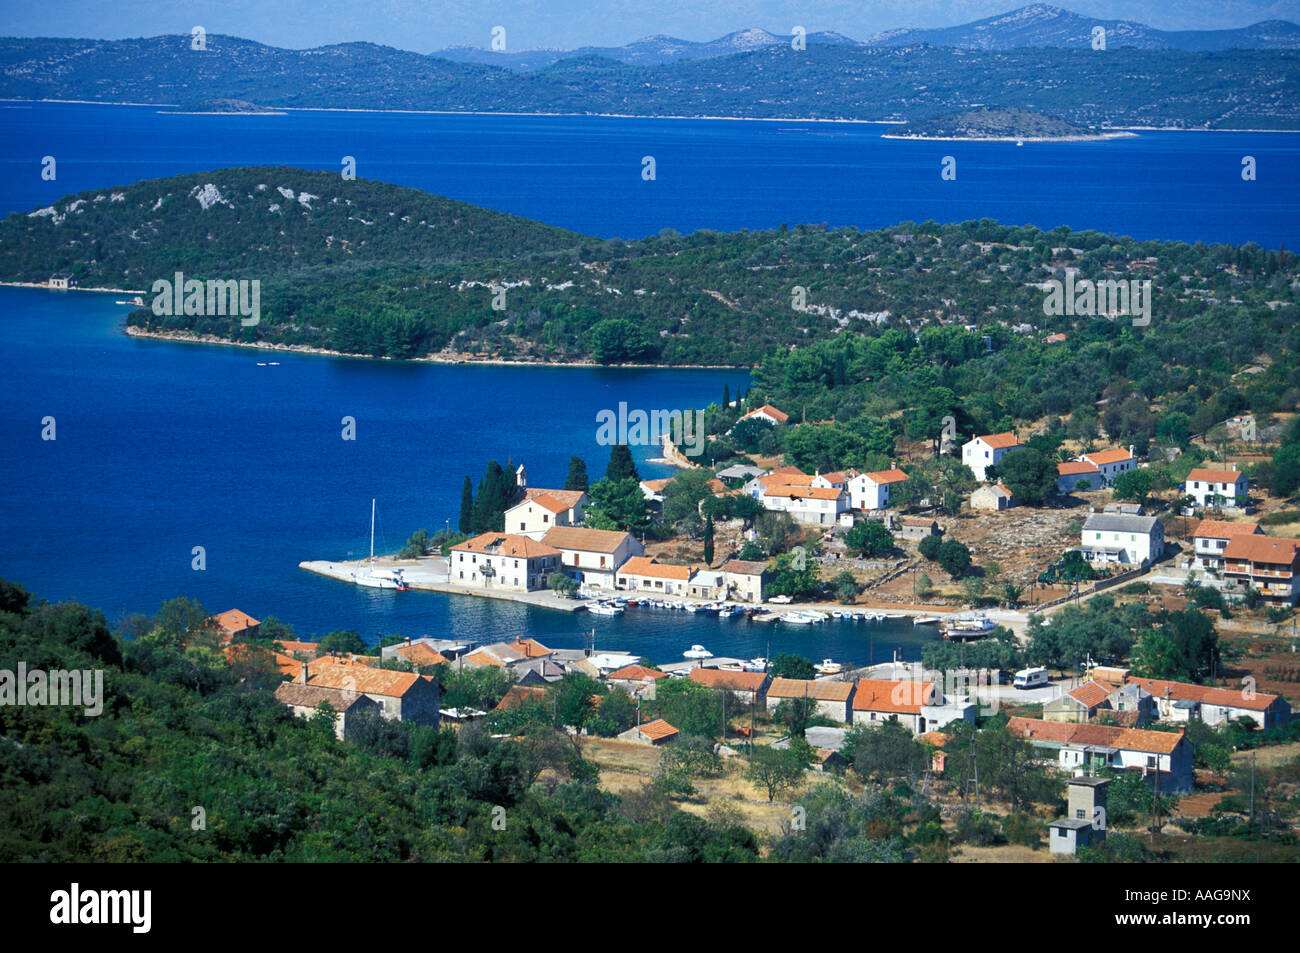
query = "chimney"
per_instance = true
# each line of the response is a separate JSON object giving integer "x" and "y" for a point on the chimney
{"x": 408, "y": 640}
{"x": 302, "y": 673}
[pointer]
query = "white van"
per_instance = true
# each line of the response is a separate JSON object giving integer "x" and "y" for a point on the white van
{"x": 1030, "y": 678}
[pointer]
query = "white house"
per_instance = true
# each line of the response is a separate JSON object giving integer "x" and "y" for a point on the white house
{"x": 1182, "y": 701}
{"x": 870, "y": 491}
{"x": 983, "y": 452}
{"x": 1216, "y": 487}
{"x": 592, "y": 556}
{"x": 745, "y": 581}
{"x": 1116, "y": 538}
{"x": 1210, "y": 539}
{"x": 540, "y": 511}
{"x": 769, "y": 413}
{"x": 808, "y": 505}
{"x": 919, "y": 706}
{"x": 643, "y": 574}
{"x": 1111, "y": 463}
{"x": 503, "y": 561}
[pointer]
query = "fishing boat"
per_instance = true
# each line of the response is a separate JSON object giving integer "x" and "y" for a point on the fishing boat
{"x": 697, "y": 651}
{"x": 378, "y": 578}
{"x": 927, "y": 620}
{"x": 798, "y": 618}
{"x": 966, "y": 627}
{"x": 828, "y": 667}
{"x": 730, "y": 612}
{"x": 756, "y": 665}
{"x": 604, "y": 608}
{"x": 765, "y": 615}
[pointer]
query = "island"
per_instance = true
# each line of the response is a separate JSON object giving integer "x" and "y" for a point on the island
{"x": 999, "y": 125}
{"x": 224, "y": 107}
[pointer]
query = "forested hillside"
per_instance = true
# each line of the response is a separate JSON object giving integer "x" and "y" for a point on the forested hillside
{"x": 924, "y": 318}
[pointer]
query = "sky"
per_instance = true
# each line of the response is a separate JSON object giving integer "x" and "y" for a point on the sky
{"x": 427, "y": 25}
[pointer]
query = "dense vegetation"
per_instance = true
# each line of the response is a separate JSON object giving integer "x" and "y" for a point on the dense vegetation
{"x": 989, "y": 124}
{"x": 825, "y": 81}
{"x": 182, "y": 728}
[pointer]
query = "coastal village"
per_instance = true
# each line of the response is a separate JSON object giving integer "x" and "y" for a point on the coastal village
{"x": 1091, "y": 721}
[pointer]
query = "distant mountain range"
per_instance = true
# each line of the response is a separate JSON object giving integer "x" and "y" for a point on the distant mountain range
{"x": 833, "y": 78}
{"x": 1037, "y": 25}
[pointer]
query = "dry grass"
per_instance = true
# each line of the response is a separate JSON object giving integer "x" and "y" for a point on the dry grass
{"x": 1002, "y": 854}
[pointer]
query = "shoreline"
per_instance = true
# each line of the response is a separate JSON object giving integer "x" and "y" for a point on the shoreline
{"x": 43, "y": 286}
{"x": 1100, "y": 137}
{"x": 285, "y": 110}
{"x": 184, "y": 337}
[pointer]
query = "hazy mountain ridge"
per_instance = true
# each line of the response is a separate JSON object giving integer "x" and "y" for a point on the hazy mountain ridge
{"x": 1118, "y": 87}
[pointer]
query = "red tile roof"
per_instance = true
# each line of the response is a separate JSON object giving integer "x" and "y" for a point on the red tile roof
{"x": 346, "y": 675}
{"x": 1224, "y": 529}
{"x": 1104, "y": 736}
{"x": 649, "y": 566}
{"x": 903, "y": 697}
{"x": 1000, "y": 441}
{"x": 881, "y": 477}
{"x": 233, "y": 621}
{"x": 658, "y": 729}
{"x": 420, "y": 654}
{"x": 1108, "y": 456}
{"x": 1215, "y": 476}
{"x": 820, "y": 690}
{"x": 570, "y": 498}
{"x": 516, "y": 695}
{"x": 1091, "y": 694}
{"x": 771, "y": 411}
{"x": 1262, "y": 549}
{"x": 506, "y": 544}
{"x": 636, "y": 673}
{"x": 1075, "y": 466}
{"x": 1204, "y": 694}
{"x": 586, "y": 540}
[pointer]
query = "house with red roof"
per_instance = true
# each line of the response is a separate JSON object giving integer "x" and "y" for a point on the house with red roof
{"x": 503, "y": 561}
{"x": 236, "y": 625}
{"x": 1210, "y": 538}
{"x": 1214, "y": 487}
{"x": 1088, "y": 748}
{"x": 768, "y": 413}
{"x": 637, "y": 680}
{"x": 1111, "y": 463}
{"x": 1268, "y": 565}
{"x": 1077, "y": 475}
{"x": 749, "y": 687}
{"x": 870, "y": 491}
{"x": 985, "y": 451}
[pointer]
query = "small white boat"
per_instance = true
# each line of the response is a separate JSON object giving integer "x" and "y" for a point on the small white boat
{"x": 798, "y": 618}
{"x": 603, "y": 608}
{"x": 756, "y": 665}
{"x": 697, "y": 651}
{"x": 927, "y": 620}
{"x": 729, "y": 612}
{"x": 765, "y": 617}
{"x": 828, "y": 667}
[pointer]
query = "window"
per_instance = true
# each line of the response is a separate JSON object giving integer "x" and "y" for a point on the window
{"x": 1151, "y": 761}
{"x": 1079, "y": 813}
{"x": 1060, "y": 832}
{"x": 521, "y": 527}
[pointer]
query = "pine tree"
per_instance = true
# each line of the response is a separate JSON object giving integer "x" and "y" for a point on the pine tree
{"x": 577, "y": 479}
{"x": 466, "y": 524}
{"x": 708, "y": 542}
{"x": 620, "y": 464}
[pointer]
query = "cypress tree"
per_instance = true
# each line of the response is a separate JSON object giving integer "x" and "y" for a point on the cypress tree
{"x": 620, "y": 464}
{"x": 726, "y": 395}
{"x": 708, "y": 542}
{"x": 466, "y": 524}
{"x": 577, "y": 479}
{"x": 490, "y": 506}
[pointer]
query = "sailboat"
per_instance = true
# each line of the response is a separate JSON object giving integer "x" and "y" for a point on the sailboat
{"x": 378, "y": 578}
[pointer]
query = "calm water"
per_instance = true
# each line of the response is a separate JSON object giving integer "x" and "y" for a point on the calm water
{"x": 164, "y": 447}
{"x": 584, "y": 173}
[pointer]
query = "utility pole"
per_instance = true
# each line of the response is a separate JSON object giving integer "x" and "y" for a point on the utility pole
{"x": 1252, "y": 787}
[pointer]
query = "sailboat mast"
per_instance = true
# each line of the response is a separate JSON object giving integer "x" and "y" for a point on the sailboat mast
{"x": 372, "y": 529}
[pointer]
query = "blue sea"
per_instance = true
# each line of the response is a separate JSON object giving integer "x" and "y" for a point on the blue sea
{"x": 162, "y": 447}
